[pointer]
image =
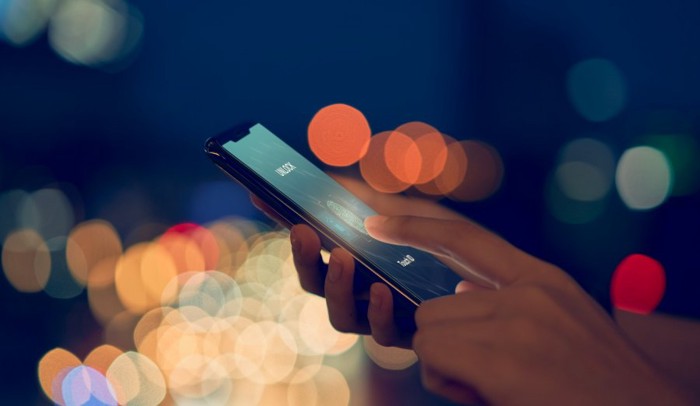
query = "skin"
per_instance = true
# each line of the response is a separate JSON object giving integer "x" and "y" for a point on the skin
{"x": 520, "y": 330}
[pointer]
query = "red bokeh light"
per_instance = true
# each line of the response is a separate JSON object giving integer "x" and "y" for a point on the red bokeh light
{"x": 638, "y": 284}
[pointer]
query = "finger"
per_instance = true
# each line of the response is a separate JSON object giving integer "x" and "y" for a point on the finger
{"x": 466, "y": 286}
{"x": 339, "y": 293}
{"x": 306, "y": 251}
{"x": 461, "y": 353}
{"x": 483, "y": 257}
{"x": 468, "y": 306}
{"x": 393, "y": 204}
{"x": 381, "y": 315}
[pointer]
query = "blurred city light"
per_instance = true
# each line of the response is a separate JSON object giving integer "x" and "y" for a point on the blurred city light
{"x": 597, "y": 89}
{"x": 392, "y": 358}
{"x": 638, "y": 284}
{"x": 682, "y": 152}
{"x": 581, "y": 181}
{"x": 643, "y": 178}
{"x": 339, "y": 135}
{"x": 425, "y": 157}
{"x": 26, "y": 260}
{"x": 22, "y": 21}
{"x": 485, "y": 172}
{"x": 200, "y": 335}
{"x": 95, "y": 32}
{"x": 586, "y": 169}
{"x": 375, "y": 167}
{"x": 453, "y": 172}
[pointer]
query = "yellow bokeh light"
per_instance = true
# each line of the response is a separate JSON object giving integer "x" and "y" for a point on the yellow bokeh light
{"x": 315, "y": 328}
{"x": 26, "y": 260}
{"x": 142, "y": 274}
{"x": 184, "y": 252}
{"x": 102, "y": 357}
{"x": 136, "y": 380}
{"x": 90, "y": 243}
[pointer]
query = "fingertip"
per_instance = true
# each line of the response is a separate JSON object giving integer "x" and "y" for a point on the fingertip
{"x": 374, "y": 224}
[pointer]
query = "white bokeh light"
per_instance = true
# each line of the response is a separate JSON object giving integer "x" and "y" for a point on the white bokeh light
{"x": 22, "y": 21}
{"x": 643, "y": 178}
{"x": 586, "y": 170}
{"x": 94, "y": 32}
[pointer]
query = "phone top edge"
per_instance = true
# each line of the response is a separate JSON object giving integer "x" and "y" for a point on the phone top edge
{"x": 213, "y": 145}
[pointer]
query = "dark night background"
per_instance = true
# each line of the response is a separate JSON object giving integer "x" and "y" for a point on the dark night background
{"x": 130, "y": 140}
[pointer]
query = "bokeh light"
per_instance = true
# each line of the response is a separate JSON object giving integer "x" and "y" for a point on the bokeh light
{"x": 597, "y": 89}
{"x": 94, "y": 32}
{"x": 682, "y": 152}
{"x": 26, "y": 260}
{"x": 586, "y": 169}
{"x": 48, "y": 211}
{"x": 643, "y": 178}
{"x": 374, "y": 166}
{"x": 638, "y": 284}
{"x": 136, "y": 380}
{"x": 248, "y": 335}
{"x": 54, "y": 366}
{"x": 339, "y": 135}
{"x": 392, "y": 358}
{"x": 420, "y": 161}
{"x": 484, "y": 172}
{"x": 89, "y": 245}
{"x": 86, "y": 386}
{"x": 452, "y": 174}
{"x": 577, "y": 190}
{"x": 22, "y": 21}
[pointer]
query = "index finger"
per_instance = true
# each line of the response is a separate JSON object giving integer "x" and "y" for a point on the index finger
{"x": 475, "y": 252}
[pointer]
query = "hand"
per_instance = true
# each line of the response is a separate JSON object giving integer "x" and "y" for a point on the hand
{"x": 335, "y": 280}
{"x": 537, "y": 339}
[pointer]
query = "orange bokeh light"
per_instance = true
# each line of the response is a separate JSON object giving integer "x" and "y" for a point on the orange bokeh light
{"x": 375, "y": 167}
{"x": 53, "y": 367}
{"x": 339, "y": 135}
{"x": 431, "y": 146}
{"x": 484, "y": 174}
{"x": 88, "y": 244}
{"x": 26, "y": 260}
{"x": 205, "y": 239}
{"x": 102, "y": 357}
{"x": 452, "y": 173}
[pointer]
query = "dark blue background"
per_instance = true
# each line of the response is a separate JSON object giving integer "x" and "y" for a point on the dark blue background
{"x": 489, "y": 70}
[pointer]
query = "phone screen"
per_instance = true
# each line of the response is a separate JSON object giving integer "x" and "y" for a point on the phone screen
{"x": 319, "y": 196}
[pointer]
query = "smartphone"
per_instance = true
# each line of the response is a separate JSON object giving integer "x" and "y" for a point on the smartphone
{"x": 300, "y": 192}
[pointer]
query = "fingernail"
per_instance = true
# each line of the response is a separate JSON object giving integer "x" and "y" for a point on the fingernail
{"x": 374, "y": 222}
{"x": 335, "y": 269}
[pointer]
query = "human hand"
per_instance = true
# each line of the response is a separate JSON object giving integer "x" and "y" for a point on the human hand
{"x": 537, "y": 339}
{"x": 335, "y": 281}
